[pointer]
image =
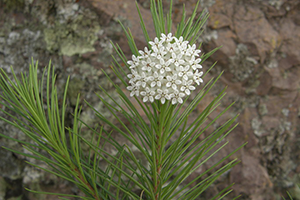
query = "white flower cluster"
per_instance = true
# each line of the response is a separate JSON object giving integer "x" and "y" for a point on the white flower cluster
{"x": 168, "y": 71}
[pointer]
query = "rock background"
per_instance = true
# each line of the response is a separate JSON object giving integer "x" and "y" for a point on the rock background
{"x": 260, "y": 57}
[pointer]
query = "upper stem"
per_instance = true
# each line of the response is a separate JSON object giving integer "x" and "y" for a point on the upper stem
{"x": 160, "y": 146}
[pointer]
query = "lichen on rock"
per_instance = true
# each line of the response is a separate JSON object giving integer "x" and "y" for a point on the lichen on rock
{"x": 70, "y": 39}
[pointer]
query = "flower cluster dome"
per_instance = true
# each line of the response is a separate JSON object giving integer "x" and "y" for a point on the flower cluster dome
{"x": 168, "y": 71}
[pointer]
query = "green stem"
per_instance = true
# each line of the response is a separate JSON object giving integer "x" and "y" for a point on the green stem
{"x": 160, "y": 146}
{"x": 158, "y": 163}
{"x": 80, "y": 177}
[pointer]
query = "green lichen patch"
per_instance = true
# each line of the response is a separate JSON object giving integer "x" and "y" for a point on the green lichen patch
{"x": 76, "y": 37}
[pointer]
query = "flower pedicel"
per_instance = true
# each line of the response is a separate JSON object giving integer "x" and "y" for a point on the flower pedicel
{"x": 168, "y": 71}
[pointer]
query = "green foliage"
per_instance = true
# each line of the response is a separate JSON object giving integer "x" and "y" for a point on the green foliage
{"x": 289, "y": 195}
{"x": 150, "y": 129}
{"x": 46, "y": 129}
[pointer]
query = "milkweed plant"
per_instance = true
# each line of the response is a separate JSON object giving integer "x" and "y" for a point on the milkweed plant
{"x": 153, "y": 117}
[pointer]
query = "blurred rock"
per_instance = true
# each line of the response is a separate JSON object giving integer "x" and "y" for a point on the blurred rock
{"x": 251, "y": 178}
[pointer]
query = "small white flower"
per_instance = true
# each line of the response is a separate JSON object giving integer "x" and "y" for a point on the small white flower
{"x": 166, "y": 38}
{"x": 185, "y": 72}
{"x": 144, "y": 54}
{"x": 193, "y": 47}
{"x": 159, "y": 52}
{"x": 196, "y": 52}
{"x": 148, "y": 95}
{"x": 131, "y": 77}
{"x": 195, "y": 63}
{"x": 155, "y": 80}
{"x": 156, "y": 44}
{"x": 134, "y": 62}
{"x": 197, "y": 77}
{"x": 187, "y": 87}
{"x": 162, "y": 95}
{"x": 181, "y": 43}
{"x": 173, "y": 82}
{"x": 147, "y": 65}
{"x": 177, "y": 97}
{"x": 134, "y": 76}
{"x": 134, "y": 90}
{"x": 177, "y": 59}
{"x": 163, "y": 66}
{"x": 143, "y": 80}
{"x": 170, "y": 47}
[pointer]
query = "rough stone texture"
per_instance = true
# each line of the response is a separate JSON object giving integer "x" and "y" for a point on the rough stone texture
{"x": 264, "y": 65}
{"x": 260, "y": 57}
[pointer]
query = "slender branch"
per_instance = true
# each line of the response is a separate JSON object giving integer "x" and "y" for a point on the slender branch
{"x": 158, "y": 162}
{"x": 160, "y": 143}
{"x": 81, "y": 178}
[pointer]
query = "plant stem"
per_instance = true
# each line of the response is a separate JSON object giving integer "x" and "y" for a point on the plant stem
{"x": 80, "y": 177}
{"x": 161, "y": 113}
{"x": 158, "y": 163}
